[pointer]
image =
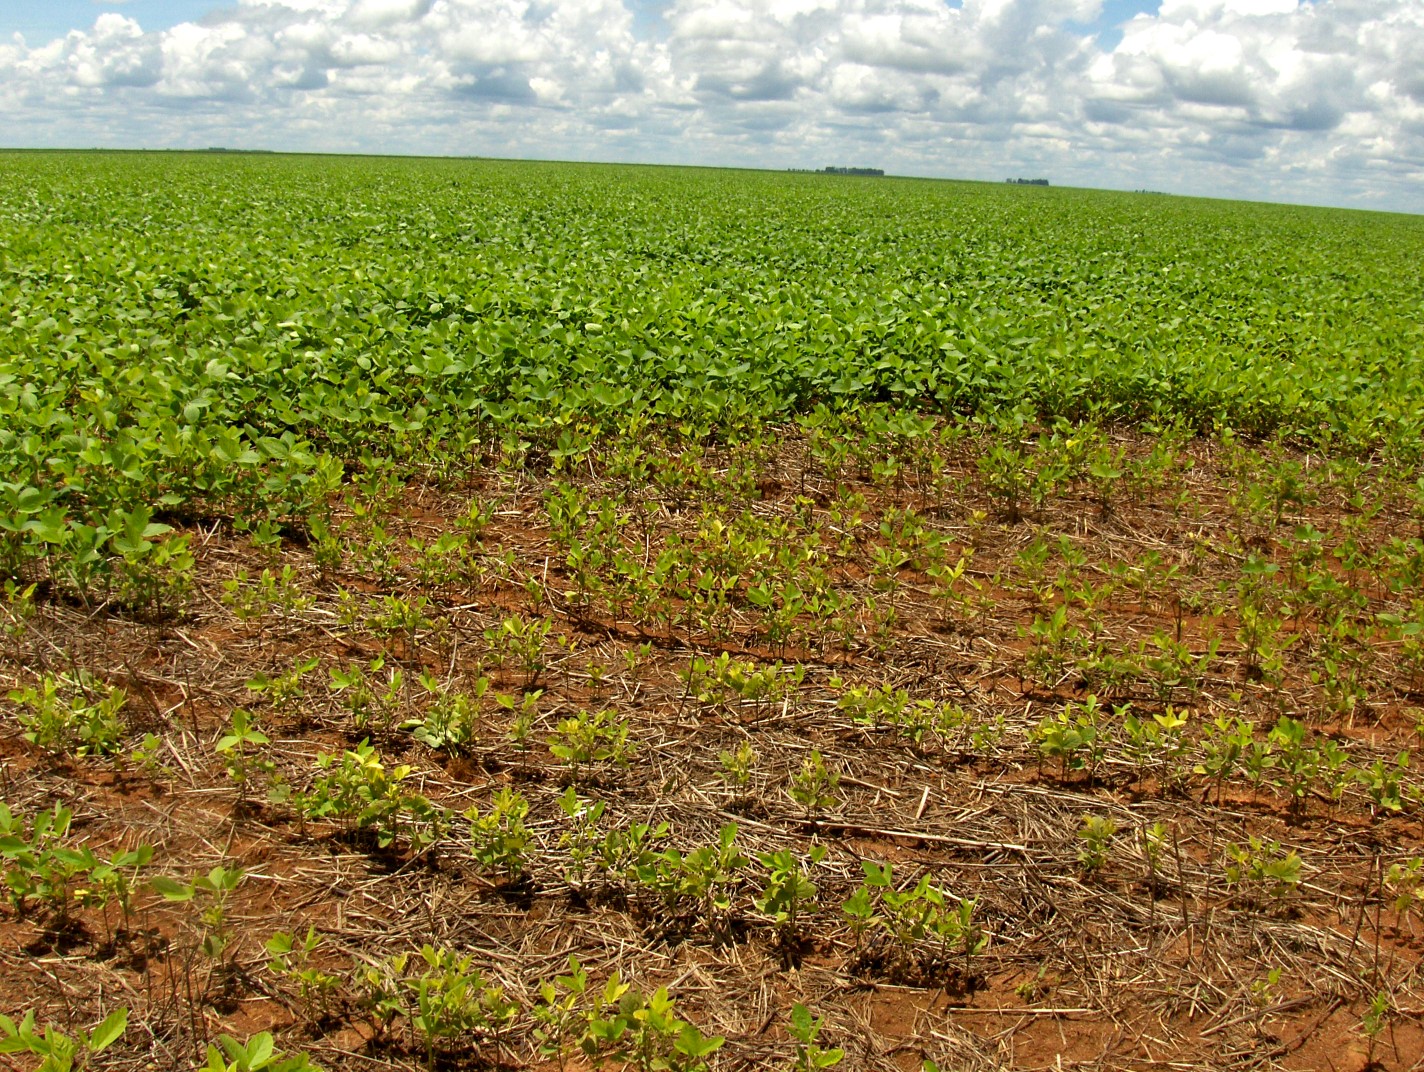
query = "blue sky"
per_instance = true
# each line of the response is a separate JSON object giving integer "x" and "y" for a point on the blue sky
{"x": 41, "y": 22}
{"x": 1314, "y": 101}
{"x": 1114, "y": 13}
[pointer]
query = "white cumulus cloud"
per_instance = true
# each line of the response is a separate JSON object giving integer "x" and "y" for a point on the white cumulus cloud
{"x": 1303, "y": 100}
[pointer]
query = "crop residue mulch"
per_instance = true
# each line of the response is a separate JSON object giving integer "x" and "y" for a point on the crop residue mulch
{"x": 1188, "y": 588}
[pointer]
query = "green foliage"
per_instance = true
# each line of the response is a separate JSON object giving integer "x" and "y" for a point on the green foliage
{"x": 718, "y": 679}
{"x": 591, "y": 741}
{"x": 644, "y": 1032}
{"x": 59, "y": 1052}
{"x": 258, "y": 1054}
{"x": 357, "y": 790}
{"x": 1157, "y": 744}
{"x": 814, "y": 785}
{"x": 1076, "y": 736}
{"x": 291, "y": 959}
{"x": 62, "y": 715}
{"x": 1297, "y": 761}
{"x": 624, "y": 849}
{"x": 1057, "y": 645}
{"x": 1375, "y": 1020}
{"x": 788, "y": 890}
{"x": 41, "y": 866}
{"x": 764, "y": 364}
{"x": 921, "y": 921}
{"x": 1408, "y": 633}
{"x": 1384, "y": 782}
{"x": 241, "y": 750}
{"x": 112, "y": 880}
{"x": 1404, "y": 882}
{"x": 754, "y": 416}
{"x": 284, "y": 690}
{"x": 1007, "y": 478}
{"x": 154, "y": 578}
{"x": 499, "y": 839}
{"x": 452, "y": 722}
{"x": 521, "y": 642}
{"x": 1263, "y": 641}
{"x": 214, "y": 891}
{"x": 395, "y": 616}
{"x": 559, "y": 1016}
{"x": 37, "y": 863}
{"x": 441, "y": 995}
{"x": 915, "y": 720}
{"x": 210, "y": 380}
{"x": 1096, "y": 834}
{"x": 17, "y": 605}
{"x": 580, "y": 839}
{"x": 370, "y": 703}
{"x": 1224, "y": 745}
{"x": 737, "y": 767}
{"x": 703, "y": 879}
{"x": 804, "y": 1030}
{"x": 1262, "y": 866}
{"x": 524, "y": 708}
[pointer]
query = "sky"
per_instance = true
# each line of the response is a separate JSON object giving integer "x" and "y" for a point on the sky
{"x": 1307, "y": 101}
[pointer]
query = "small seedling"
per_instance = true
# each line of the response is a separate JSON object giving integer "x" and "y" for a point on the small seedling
{"x": 1096, "y": 835}
{"x": 1373, "y": 1023}
{"x": 804, "y": 1029}
{"x": 292, "y": 960}
{"x": 560, "y": 1015}
{"x": 499, "y": 839}
{"x": 241, "y": 748}
{"x": 58, "y": 1051}
{"x": 1262, "y": 866}
{"x": 737, "y": 766}
{"x": 60, "y": 717}
{"x": 586, "y": 740}
{"x": 1405, "y": 883}
{"x": 1075, "y": 736}
{"x": 788, "y": 889}
{"x": 358, "y": 790}
{"x": 257, "y": 1054}
{"x": 216, "y": 889}
{"x": 580, "y": 840}
{"x": 814, "y": 785}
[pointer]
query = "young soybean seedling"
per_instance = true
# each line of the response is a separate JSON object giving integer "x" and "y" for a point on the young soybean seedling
{"x": 58, "y": 717}
{"x": 589, "y": 740}
{"x": 814, "y": 786}
{"x": 1405, "y": 884}
{"x": 737, "y": 766}
{"x": 560, "y": 1013}
{"x": 499, "y": 838}
{"x": 805, "y": 1029}
{"x": 788, "y": 889}
{"x": 1096, "y": 834}
{"x": 216, "y": 888}
{"x": 1373, "y": 1023}
{"x": 292, "y": 959}
{"x": 257, "y": 1054}
{"x": 60, "y": 1052}
{"x": 241, "y": 749}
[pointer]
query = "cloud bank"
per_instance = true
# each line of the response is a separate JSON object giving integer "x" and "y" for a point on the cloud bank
{"x": 1272, "y": 99}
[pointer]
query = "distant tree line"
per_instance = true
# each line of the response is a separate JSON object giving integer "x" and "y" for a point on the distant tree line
{"x": 866, "y": 172}
{"x": 1027, "y": 182}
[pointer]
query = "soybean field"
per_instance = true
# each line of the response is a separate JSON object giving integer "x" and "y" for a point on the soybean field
{"x": 466, "y": 614}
